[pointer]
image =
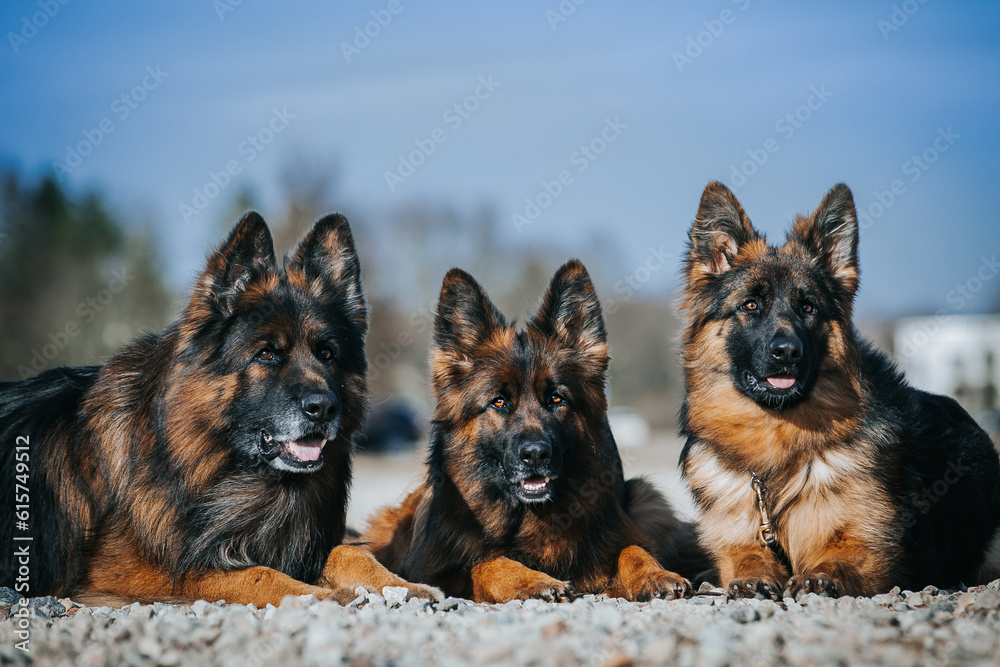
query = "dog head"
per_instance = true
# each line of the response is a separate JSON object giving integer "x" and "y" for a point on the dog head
{"x": 271, "y": 358}
{"x": 513, "y": 402}
{"x": 773, "y": 319}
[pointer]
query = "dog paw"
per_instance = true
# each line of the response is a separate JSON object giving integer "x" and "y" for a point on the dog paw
{"x": 548, "y": 589}
{"x": 425, "y": 592}
{"x": 342, "y": 596}
{"x": 753, "y": 587}
{"x": 814, "y": 582}
{"x": 663, "y": 585}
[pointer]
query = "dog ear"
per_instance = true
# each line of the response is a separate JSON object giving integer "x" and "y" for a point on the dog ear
{"x": 247, "y": 254}
{"x": 831, "y": 235}
{"x": 328, "y": 259}
{"x": 719, "y": 233}
{"x": 465, "y": 316}
{"x": 571, "y": 312}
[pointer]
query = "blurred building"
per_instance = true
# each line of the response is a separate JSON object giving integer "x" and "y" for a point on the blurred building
{"x": 955, "y": 355}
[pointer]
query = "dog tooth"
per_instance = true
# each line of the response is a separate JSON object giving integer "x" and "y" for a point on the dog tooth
{"x": 322, "y": 444}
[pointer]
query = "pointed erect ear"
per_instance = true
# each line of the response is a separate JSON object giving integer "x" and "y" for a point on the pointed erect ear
{"x": 831, "y": 235}
{"x": 718, "y": 234}
{"x": 247, "y": 254}
{"x": 465, "y": 316}
{"x": 328, "y": 259}
{"x": 571, "y": 312}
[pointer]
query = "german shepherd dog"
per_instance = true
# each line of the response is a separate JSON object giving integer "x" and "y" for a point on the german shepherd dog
{"x": 525, "y": 496}
{"x": 814, "y": 465}
{"x": 212, "y": 461}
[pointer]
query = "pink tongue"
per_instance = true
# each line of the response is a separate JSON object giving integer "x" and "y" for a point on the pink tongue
{"x": 781, "y": 383}
{"x": 305, "y": 450}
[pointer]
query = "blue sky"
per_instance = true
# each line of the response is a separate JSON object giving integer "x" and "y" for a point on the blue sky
{"x": 883, "y": 98}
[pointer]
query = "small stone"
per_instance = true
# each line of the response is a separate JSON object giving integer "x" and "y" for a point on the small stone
{"x": 946, "y": 606}
{"x": 448, "y": 604}
{"x": 702, "y": 600}
{"x": 554, "y": 629}
{"x": 987, "y": 601}
{"x": 417, "y": 605}
{"x": 46, "y": 606}
{"x": 705, "y": 588}
{"x": 375, "y": 600}
{"x": 150, "y": 648}
{"x": 745, "y": 614}
{"x": 199, "y": 607}
{"x": 792, "y": 605}
{"x": 9, "y": 597}
{"x": 395, "y": 595}
{"x": 607, "y": 618}
{"x": 962, "y": 604}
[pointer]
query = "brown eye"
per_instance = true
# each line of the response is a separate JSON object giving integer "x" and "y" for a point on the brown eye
{"x": 556, "y": 399}
{"x": 750, "y": 306}
{"x": 265, "y": 354}
{"x": 326, "y": 354}
{"x": 499, "y": 402}
{"x": 808, "y": 308}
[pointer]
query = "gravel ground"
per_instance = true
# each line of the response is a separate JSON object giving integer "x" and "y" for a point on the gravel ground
{"x": 898, "y": 628}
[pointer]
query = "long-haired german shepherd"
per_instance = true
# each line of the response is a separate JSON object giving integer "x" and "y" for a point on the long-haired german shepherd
{"x": 211, "y": 461}
{"x": 810, "y": 458}
{"x": 525, "y": 495}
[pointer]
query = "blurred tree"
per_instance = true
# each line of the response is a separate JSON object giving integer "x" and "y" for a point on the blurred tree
{"x": 74, "y": 286}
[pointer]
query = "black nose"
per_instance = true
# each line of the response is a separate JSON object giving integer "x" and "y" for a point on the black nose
{"x": 319, "y": 405}
{"x": 535, "y": 453}
{"x": 786, "y": 350}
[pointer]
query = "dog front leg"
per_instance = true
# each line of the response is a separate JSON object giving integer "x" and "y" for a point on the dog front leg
{"x": 349, "y": 566}
{"x": 641, "y": 578}
{"x": 751, "y": 571}
{"x": 502, "y": 579}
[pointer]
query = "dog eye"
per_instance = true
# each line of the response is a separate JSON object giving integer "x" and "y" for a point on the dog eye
{"x": 556, "y": 399}
{"x": 499, "y": 402}
{"x": 325, "y": 354}
{"x": 750, "y": 306}
{"x": 808, "y": 308}
{"x": 265, "y": 354}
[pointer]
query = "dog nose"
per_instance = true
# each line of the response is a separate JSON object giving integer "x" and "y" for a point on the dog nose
{"x": 319, "y": 405}
{"x": 535, "y": 453}
{"x": 786, "y": 350}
